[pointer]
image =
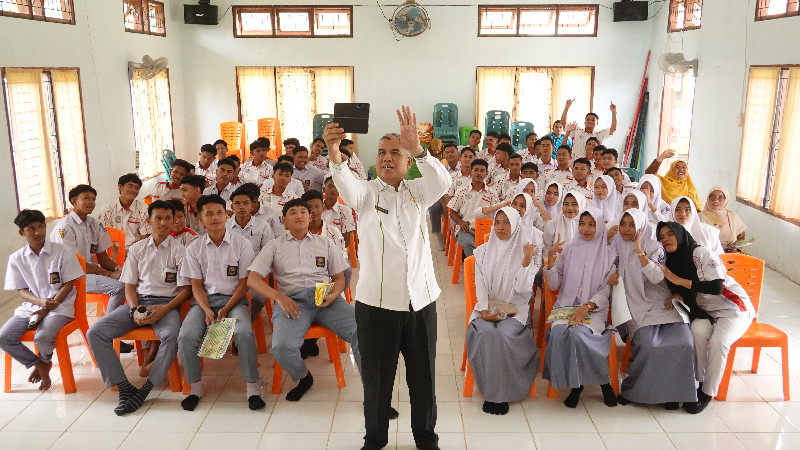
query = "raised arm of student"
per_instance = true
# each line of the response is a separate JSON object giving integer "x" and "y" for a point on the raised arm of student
{"x": 567, "y": 104}
{"x": 656, "y": 164}
{"x": 486, "y": 211}
{"x": 613, "y": 127}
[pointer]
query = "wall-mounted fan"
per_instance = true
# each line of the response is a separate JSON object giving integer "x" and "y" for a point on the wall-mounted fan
{"x": 410, "y": 19}
{"x": 675, "y": 63}
{"x": 149, "y": 67}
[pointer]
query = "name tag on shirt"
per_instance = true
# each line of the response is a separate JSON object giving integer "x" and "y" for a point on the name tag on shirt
{"x": 93, "y": 248}
{"x": 172, "y": 277}
{"x": 55, "y": 278}
{"x": 233, "y": 271}
{"x": 320, "y": 261}
{"x": 383, "y": 210}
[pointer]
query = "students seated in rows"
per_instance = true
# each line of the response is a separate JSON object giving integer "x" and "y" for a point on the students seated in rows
{"x": 86, "y": 236}
{"x": 256, "y": 231}
{"x": 677, "y": 181}
{"x": 296, "y": 186}
{"x": 719, "y": 308}
{"x": 558, "y": 136}
{"x": 300, "y": 260}
{"x": 222, "y": 184}
{"x": 180, "y": 232}
{"x": 353, "y": 162}
{"x": 338, "y": 214}
{"x": 467, "y": 200}
{"x": 684, "y": 212}
{"x": 564, "y": 225}
{"x": 730, "y": 225}
{"x": 531, "y": 152}
{"x": 151, "y": 277}
{"x": 216, "y": 265}
{"x": 192, "y": 187}
{"x": 606, "y": 198}
{"x": 289, "y": 145}
{"x": 562, "y": 173}
{"x": 452, "y": 160}
{"x": 491, "y": 141}
{"x": 473, "y": 141}
{"x": 127, "y": 213}
{"x": 662, "y": 349}
{"x": 464, "y": 177}
{"x": 507, "y": 184}
{"x": 578, "y": 348}
{"x": 315, "y": 157}
{"x": 310, "y": 176}
{"x": 204, "y": 167}
{"x": 499, "y": 169}
{"x": 171, "y": 190}
{"x": 657, "y": 209}
{"x": 581, "y": 135}
{"x": 274, "y": 195}
{"x": 43, "y": 274}
{"x": 500, "y": 346}
{"x": 256, "y": 169}
{"x": 581, "y": 171}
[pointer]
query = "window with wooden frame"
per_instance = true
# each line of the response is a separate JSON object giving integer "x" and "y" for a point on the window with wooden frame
{"x": 152, "y": 120}
{"x": 775, "y": 9}
{"x": 684, "y": 15}
{"x": 771, "y": 142}
{"x": 539, "y": 20}
{"x": 144, "y": 16}
{"x": 677, "y": 106}
{"x": 292, "y": 21}
{"x": 48, "y": 146}
{"x": 60, "y": 11}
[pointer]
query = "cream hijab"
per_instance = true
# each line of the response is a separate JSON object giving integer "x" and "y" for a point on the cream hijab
{"x": 728, "y": 223}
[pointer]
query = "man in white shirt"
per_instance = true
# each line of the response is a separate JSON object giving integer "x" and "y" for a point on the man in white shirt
{"x": 491, "y": 141}
{"x": 466, "y": 201}
{"x": 464, "y": 176}
{"x": 171, "y": 190}
{"x": 473, "y": 141}
{"x": 452, "y": 156}
{"x": 453, "y": 167}
{"x": 310, "y": 176}
{"x": 499, "y": 169}
{"x": 397, "y": 288}
{"x": 348, "y": 148}
{"x": 151, "y": 281}
{"x": 256, "y": 169}
{"x": 531, "y": 153}
{"x": 274, "y": 195}
{"x": 562, "y": 173}
{"x": 506, "y": 186}
{"x": 580, "y": 135}
{"x": 295, "y": 186}
{"x": 315, "y": 157}
{"x": 127, "y": 213}
{"x": 581, "y": 180}
{"x": 223, "y": 187}
{"x": 206, "y": 166}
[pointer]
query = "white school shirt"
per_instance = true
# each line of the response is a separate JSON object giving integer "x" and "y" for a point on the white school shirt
{"x": 299, "y": 264}
{"x": 193, "y": 220}
{"x": 224, "y": 193}
{"x": 484, "y": 155}
{"x": 496, "y": 173}
{"x": 580, "y": 136}
{"x": 221, "y": 267}
{"x": 529, "y": 157}
{"x": 559, "y": 176}
{"x": 320, "y": 163}
{"x": 250, "y": 173}
{"x": 273, "y": 219}
{"x": 155, "y": 270}
{"x": 311, "y": 176}
{"x": 340, "y": 216}
{"x": 396, "y": 266}
{"x": 452, "y": 171}
{"x": 269, "y": 199}
{"x": 43, "y": 275}
{"x": 467, "y": 200}
{"x": 163, "y": 191}
{"x": 333, "y": 233}
{"x": 505, "y": 187}
{"x": 295, "y": 186}
{"x": 733, "y": 301}
{"x": 209, "y": 173}
{"x": 587, "y": 191}
{"x": 256, "y": 231}
{"x": 133, "y": 221}
{"x": 457, "y": 182}
{"x": 358, "y": 167}
{"x": 185, "y": 237}
{"x": 84, "y": 237}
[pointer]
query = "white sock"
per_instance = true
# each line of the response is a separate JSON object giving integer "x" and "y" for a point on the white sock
{"x": 197, "y": 389}
{"x": 252, "y": 389}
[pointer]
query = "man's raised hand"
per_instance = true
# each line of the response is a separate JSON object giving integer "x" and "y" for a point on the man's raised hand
{"x": 409, "y": 139}
{"x": 333, "y": 135}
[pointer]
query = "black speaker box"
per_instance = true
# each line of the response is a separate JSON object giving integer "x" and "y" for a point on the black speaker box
{"x": 200, "y": 14}
{"x": 630, "y": 11}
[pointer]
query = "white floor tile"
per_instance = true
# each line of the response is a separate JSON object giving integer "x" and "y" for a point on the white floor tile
{"x": 234, "y": 417}
{"x": 551, "y": 417}
{"x": 349, "y": 418}
{"x": 775, "y": 441}
{"x": 508, "y": 441}
{"x": 79, "y": 440}
{"x": 166, "y": 416}
{"x": 100, "y": 416}
{"x": 622, "y": 419}
{"x": 10, "y": 410}
{"x": 214, "y": 441}
{"x": 634, "y": 441}
{"x": 477, "y": 421}
{"x": 28, "y": 439}
{"x": 47, "y": 416}
{"x": 561, "y": 441}
{"x": 447, "y": 441}
{"x": 146, "y": 440}
{"x": 682, "y": 422}
{"x": 317, "y": 417}
{"x": 342, "y": 441}
{"x": 710, "y": 441}
{"x": 746, "y": 417}
{"x": 279, "y": 441}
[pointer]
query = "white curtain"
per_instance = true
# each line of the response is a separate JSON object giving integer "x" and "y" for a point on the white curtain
{"x": 787, "y": 184}
{"x": 759, "y": 113}
{"x": 573, "y": 82}
{"x": 296, "y": 104}
{"x": 332, "y": 85}
{"x": 69, "y": 118}
{"x": 256, "y": 98}
{"x": 494, "y": 91}
{"x": 534, "y": 97}
{"x": 152, "y": 121}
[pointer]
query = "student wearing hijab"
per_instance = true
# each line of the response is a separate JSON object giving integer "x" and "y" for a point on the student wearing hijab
{"x": 577, "y": 349}
{"x": 662, "y": 371}
{"x": 657, "y": 209}
{"x": 719, "y": 307}
{"x": 563, "y": 226}
{"x": 730, "y": 226}
{"x": 634, "y": 199}
{"x": 684, "y": 212}
{"x": 677, "y": 181}
{"x": 500, "y": 346}
{"x": 553, "y": 196}
{"x": 606, "y": 198}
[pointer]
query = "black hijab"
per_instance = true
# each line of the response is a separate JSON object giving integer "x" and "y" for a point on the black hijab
{"x": 681, "y": 263}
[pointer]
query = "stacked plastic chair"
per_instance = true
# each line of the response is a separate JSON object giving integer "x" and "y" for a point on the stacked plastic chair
{"x": 445, "y": 122}
{"x": 496, "y": 120}
{"x": 167, "y": 159}
{"x": 518, "y": 132}
{"x": 320, "y": 121}
{"x": 233, "y": 133}
{"x": 270, "y": 128}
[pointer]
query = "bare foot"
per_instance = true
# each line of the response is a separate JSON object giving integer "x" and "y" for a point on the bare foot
{"x": 44, "y": 373}
{"x": 35, "y": 377}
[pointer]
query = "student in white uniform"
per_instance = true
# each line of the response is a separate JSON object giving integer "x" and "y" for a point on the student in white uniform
{"x": 300, "y": 260}
{"x": 267, "y": 215}
{"x": 216, "y": 265}
{"x": 353, "y": 162}
{"x": 562, "y": 173}
{"x": 580, "y": 135}
{"x": 464, "y": 176}
{"x": 171, "y": 190}
{"x": 337, "y": 214}
{"x": 491, "y": 141}
{"x": 127, "y": 213}
{"x": 465, "y": 203}
{"x": 315, "y": 158}
{"x": 499, "y": 169}
{"x": 86, "y": 236}
{"x": 191, "y": 190}
{"x": 473, "y": 141}
{"x": 223, "y": 186}
{"x": 206, "y": 165}
{"x": 274, "y": 195}
{"x": 507, "y": 184}
{"x": 43, "y": 274}
{"x": 685, "y": 213}
{"x": 452, "y": 156}
{"x": 581, "y": 181}
{"x": 310, "y": 176}
{"x": 180, "y": 231}
{"x": 151, "y": 280}
{"x": 256, "y": 169}
{"x": 296, "y": 186}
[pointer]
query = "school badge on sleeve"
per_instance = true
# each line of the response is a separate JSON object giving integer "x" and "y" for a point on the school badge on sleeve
{"x": 62, "y": 232}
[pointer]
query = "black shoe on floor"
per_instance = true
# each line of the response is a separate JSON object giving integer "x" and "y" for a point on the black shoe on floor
{"x": 124, "y": 347}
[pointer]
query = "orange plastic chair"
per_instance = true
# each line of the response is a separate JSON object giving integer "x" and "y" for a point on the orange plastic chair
{"x": 146, "y": 333}
{"x": 270, "y": 128}
{"x": 483, "y": 228}
{"x": 233, "y": 133}
{"x": 626, "y": 356}
{"x": 117, "y": 240}
{"x": 80, "y": 323}
{"x": 456, "y": 263}
{"x": 451, "y": 245}
{"x": 351, "y": 250}
{"x": 471, "y": 300}
{"x": 447, "y": 232}
{"x": 331, "y": 341}
{"x": 748, "y": 271}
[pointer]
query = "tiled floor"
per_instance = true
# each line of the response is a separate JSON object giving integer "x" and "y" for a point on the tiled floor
{"x": 754, "y": 417}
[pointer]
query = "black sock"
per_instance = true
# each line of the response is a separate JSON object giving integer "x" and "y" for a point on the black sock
{"x": 301, "y": 388}
{"x": 622, "y": 400}
{"x": 137, "y": 400}
{"x": 574, "y": 396}
{"x": 255, "y": 402}
{"x": 126, "y": 391}
{"x": 488, "y": 407}
{"x": 609, "y": 398}
{"x": 501, "y": 409}
{"x": 393, "y": 414}
{"x": 309, "y": 348}
{"x": 671, "y": 406}
{"x": 190, "y": 402}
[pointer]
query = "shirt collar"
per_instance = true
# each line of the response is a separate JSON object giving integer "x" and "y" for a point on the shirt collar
{"x": 226, "y": 238}
{"x": 45, "y": 249}
{"x": 290, "y": 237}
{"x": 383, "y": 185}
{"x": 75, "y": 217}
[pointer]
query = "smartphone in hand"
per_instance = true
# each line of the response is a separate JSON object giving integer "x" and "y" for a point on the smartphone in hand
{"x": 352, "y": 117}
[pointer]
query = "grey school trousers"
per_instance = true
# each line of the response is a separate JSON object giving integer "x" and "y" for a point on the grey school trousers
{"x": 194, "y": 328}
{"x": 45, "y": 338}
{"x": 99, "y": 284}
{"x": 288, "y": 334}
{"x": 101, "y": 336}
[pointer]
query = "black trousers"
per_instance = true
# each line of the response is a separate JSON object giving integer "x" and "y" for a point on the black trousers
{"x": 382, "y": 335}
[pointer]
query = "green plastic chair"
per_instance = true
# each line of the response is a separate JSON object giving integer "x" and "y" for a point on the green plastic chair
{"x": 518, "y": 132}
{"x": 496, "y": 120}
{"x": 632, "y": 173}
{"x": 464, "y": 133}
{"x": 319, "y": 123}
{"x": 445, "y": 122}
{"x": 167, "y": 159}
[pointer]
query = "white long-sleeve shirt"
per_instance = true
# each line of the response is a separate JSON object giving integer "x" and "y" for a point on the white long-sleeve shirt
{"x": 392, "y": 223}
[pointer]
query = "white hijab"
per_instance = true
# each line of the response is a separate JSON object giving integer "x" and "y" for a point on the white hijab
{"x": 656, "y": 183}
{"x": 705, "y": 234}
{"x": 564, "y": 226}
{"x": 523, "y": 183}
{"x": 500, "y": 260}
{"x": 611, "y": 206}
{"x": 555, "y": 210}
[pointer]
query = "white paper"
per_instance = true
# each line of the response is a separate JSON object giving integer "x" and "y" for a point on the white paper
{"x": 682, "y": 309}
{"x": 620, "y": 313}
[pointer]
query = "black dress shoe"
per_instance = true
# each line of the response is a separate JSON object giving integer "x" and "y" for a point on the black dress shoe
{"x": 124, "y": 347}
